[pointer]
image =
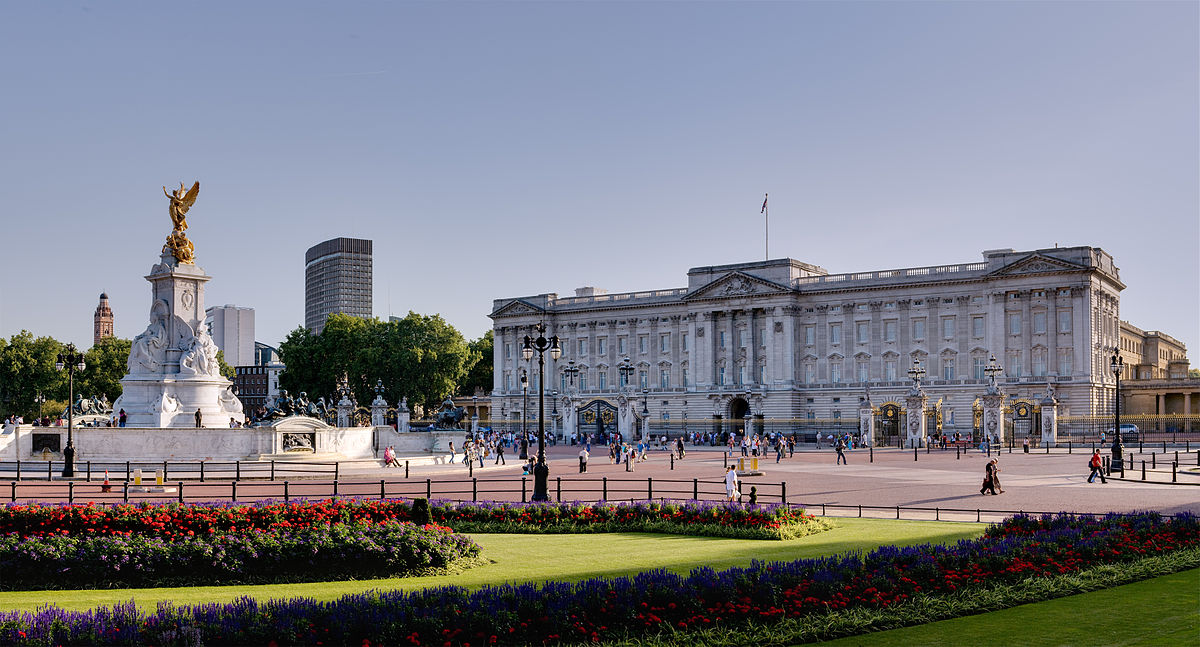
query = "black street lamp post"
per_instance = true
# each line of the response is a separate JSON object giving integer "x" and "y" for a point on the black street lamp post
{"x": 40, "y": 400}
{"x": 474, "y": 415}
{"x": 72, "y": 360}
{"x": 645, "y": 434}
{"x": 524, "y": 407}
{"x": 541, "y": 472}
{"x": 554, "y": 410}
{"x": 1117, "y": 365}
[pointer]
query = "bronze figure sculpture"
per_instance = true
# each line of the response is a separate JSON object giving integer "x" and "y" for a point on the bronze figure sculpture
{"x": 178, "y": 244}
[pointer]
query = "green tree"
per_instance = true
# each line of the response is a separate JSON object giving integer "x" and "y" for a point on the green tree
{"x": 226, "y": 370}
{"x": 26, "y": 369}
{"x": 106, "y": 363}
{"x": 420, "y": 357}
{"x": 479, "y": 376}
{"x": 1194, "y": 372}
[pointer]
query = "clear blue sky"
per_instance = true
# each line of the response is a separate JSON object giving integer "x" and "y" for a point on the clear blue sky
{"x": 496, "y": 150}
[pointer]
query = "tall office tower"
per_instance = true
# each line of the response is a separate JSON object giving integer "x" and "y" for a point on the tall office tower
{"x": 102, "y": 321}
{"x": 232, "y": 328}
{"x": 337, "y": 278}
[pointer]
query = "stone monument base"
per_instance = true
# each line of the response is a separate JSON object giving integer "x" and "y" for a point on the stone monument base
{"x": 162, "y": 402}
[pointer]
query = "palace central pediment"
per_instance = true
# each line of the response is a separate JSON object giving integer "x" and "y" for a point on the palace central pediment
{"x": 1037, "y": 264}
{"x": 737, "y": 284}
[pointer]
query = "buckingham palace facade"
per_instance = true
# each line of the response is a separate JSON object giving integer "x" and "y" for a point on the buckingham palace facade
{"x": 784, "y": 339}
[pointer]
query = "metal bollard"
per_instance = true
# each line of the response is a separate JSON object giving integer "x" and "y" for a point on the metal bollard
{"x": 522, "y": 489}
{"x": 405, "y": 469}
{"x": 914, "y": 453}
{"x": 428, "y": 489}
{"x": 1143, "y": 470}
{"x": 695, "y": 489}
{"x": 335, "y": 487}
{"x": 783, "y": 492}
{"x": 164, "y": 471}
{"x": 558, "y": 489}
{"x": 1153, "y": 461}
{"x": 672, "y": 460}
{"x": 14, "y": 491}
{"x": 1174, "y": 473}
{"x": 1068, "y": 447}
{"x": 957, "y": 453}
{"x": 89, "y": 470}
{"x": 180, "y": 486}
{"x": 285, "y": 492}
{"x": 871, "y": 452}
{"x": 201, "y": 471}
{"x": 19, "y": 467}
{"x": 382, "y": 489}
{"x": 127, "y": 472}
{"x": 125, "y": 491}
{"x": 604, "y": 489}
{"x": 233, "y": 490}
{"x": 474, "y": 488}
{"x": 649, "y": 488}
{"x": 70, "y": 491}
{"x": 272, "y": 470}
{"x": 238, "y": 470}
{"x": 49, "y": 470}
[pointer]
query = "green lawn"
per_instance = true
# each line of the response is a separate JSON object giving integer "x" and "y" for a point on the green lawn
{"x": 520, "y": 558}
{"x": 1160, "y": 611}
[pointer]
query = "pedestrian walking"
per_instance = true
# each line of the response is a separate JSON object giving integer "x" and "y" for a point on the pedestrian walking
{"x": 583, "y": 459}
{"x": 1025, "y": 444}
{"x": 840, "y": 447}
{"x": 989, "y": 477}
{"x": 500, "y": 454}
{"x": 1095, "y": 463}
{"x": 451, "y": 451}
{"x": 731, "y": 485}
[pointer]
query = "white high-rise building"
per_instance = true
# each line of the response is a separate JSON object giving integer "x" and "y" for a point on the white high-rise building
{"x": 232, "y": 328}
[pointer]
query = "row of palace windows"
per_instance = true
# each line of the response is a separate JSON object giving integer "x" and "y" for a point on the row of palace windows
{"x": 862, "y": 329}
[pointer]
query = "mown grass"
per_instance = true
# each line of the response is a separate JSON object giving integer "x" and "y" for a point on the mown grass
{"x": 535, "y": 558}
{"x": 1159, "y": 611}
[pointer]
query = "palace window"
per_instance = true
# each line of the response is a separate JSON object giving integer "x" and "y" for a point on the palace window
{"x": 918, "y": 329}
{"x": 583, "y": 380}
{"x": 835, "y": 333}
{"x": 583, "y": 347}
{"x": 889, "y": 330}
{"x": 507, "y": 380}
{"x": 507, "y": 351}
{"x": 643, "y": 344}
{"x": 835, "y": 371}
{"x": 1013, "y": 369}
{"x": 683, "y": 377}
{"x": 1039, "y": 322}
{"x": 1014, "y": 323}
{"x": 741, "y": 338}
{"x": 664, "y": 378}
{"x": 947, "y": 368}
{"x": 601, "y": 379}
{"x": 762, "y": 374}
{"x": 1039, "y": 362}
{"x": 860, "y": 331}
{"x": 721, "y": 375}
{"x": 977, "y": 327}
{"x": 889, "y": 370}
{"x": 810, "y": 373}
{"x": 1066, "y": 360}
{"x": 810, "y": 335}
{"x": 1064, "y": 321}
{"x": 643, "y": 379}
{"x": 948, "y": 327}
{"x": 860, "y": 370}
{"x": 601, "y": 345}
{"x": 664, "y": 343}
{"x": 683, "y": 342}
{"x": 622, "y": 347}
{"x": 742, "y": 376}
{"x": 721, "y": 339}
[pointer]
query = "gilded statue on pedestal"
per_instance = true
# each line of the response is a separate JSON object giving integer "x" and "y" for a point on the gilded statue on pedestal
{"x": 178, "y": 244}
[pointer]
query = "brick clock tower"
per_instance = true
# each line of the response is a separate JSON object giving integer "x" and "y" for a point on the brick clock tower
{"x": 103, "y": 321}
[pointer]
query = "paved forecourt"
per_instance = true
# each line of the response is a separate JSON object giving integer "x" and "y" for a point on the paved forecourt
{"x": 939, "y": 480}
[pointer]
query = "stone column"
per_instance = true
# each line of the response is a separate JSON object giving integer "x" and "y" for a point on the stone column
{"x": 403, "y": 416}
{"x": 569, "y": 417}
{"x": 993, "y": 416}
{"x": 866, "y": 422}
{"x": 1049, "y": 419}
{"x": 344, "y": 408}
{"x": 378, "y": 411}
{"x": 914, "y": 406}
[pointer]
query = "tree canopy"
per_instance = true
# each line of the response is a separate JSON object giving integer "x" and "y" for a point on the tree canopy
{"x": 419, "y": 357}
{"x": 480, "y": 375}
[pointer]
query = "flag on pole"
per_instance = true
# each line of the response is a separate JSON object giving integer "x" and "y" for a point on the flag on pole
{"x": 764, "y": 207}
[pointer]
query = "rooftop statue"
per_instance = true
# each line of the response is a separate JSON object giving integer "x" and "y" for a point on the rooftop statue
{"x": 178, "y": 244}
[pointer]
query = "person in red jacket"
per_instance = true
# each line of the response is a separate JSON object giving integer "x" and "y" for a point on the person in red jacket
{"x": 1095, "y": 463}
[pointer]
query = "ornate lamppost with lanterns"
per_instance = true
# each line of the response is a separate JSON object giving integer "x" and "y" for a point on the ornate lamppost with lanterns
{"x": 570, "y": 373}
{"x": 625, "y": 371}
{"x": 1117, "y": 365}
{"x": 524, "y": 407}
{"x": 72, "y": 360}
{"x": 40, "y": 400}
{"x": 541, "y": 344}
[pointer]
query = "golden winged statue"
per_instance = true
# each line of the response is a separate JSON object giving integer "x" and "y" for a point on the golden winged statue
{"x": 181, "y": 199}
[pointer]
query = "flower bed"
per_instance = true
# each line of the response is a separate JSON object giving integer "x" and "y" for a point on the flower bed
{"x": 1020, "y": 551}
{"x": 312, "y": 553}
{"x": 181, "y": 521}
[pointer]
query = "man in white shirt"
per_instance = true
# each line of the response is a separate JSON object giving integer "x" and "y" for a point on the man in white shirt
{"x": 731, "y": 485}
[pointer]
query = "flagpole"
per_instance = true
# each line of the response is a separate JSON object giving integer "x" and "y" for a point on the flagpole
{"x": 766, "y": 230}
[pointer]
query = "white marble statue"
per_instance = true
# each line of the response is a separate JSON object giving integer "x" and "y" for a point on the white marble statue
{"x": 149, "y": 348}
{"x": 201, "y": 358}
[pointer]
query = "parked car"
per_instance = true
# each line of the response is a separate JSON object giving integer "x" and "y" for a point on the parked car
{"x": 1129, "y": 433}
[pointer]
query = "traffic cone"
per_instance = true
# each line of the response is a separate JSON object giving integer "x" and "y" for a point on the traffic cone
{"x": 106, "y": 487}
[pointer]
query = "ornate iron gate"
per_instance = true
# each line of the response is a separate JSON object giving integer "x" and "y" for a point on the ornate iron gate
{"x": 598, "y": 418}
